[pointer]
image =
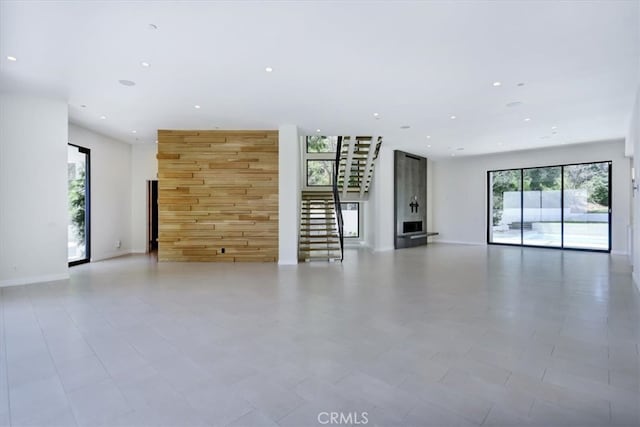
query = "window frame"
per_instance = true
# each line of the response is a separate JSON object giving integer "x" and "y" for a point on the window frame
{"x": 489, "y": 193}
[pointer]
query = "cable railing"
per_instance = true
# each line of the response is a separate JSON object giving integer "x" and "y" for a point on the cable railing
{"x": 336, "y": 198}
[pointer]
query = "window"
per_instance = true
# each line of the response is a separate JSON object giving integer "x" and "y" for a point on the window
{"x": 320, "y": 173}
{"x": 78, "y": 193}
{"x": 322, "y": 144}
{"x": 351, "y": 219}
{"x": 565, "y": 206}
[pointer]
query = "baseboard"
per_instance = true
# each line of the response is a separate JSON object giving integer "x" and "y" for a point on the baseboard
{"x": 110, "y": 255}
{"x": 34, "y": 279}
{"x": 458, "y": 242}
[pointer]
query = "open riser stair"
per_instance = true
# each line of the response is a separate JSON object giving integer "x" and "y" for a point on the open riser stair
{"x": 355, "y": 168}
{"x": 319, "y": 236}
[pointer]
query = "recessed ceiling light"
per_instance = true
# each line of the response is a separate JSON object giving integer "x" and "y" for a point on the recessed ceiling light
{"x": 268, "y": 69}
{"x": 12, "y": 58}
{"x": 376, "y": 114}
{"x": 197, "y": 107}
{"x": 127, "y": 82}
{"x": 554, "y": 127}
{"x": 103, "y": 117}
{"x": 405, "y": 127}
{"x": 317, "y": 130}
{"x": 153, "y": 27}
{"x": 145, "y": 64}
{"x": 520, "y": 84}
{"x": 428, "y": 136}
{"x": 134, "y": 131}
{"x": 452, "y": 117}
{"x": 83, "y": 105}
{"x": 428, "y": 146}
{"x": 496, "y": 84}
{"x": 527, "y": 119}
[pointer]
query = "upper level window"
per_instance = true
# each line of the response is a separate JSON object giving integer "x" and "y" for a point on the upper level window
{"x": 321, "y": 144}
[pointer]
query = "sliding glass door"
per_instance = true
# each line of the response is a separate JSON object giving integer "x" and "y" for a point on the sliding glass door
{"x": 567, "y": 206}
{"x": 78, "y": 230}
{"x": 587, "y": 206}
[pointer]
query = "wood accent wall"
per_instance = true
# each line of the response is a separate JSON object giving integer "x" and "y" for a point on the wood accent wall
{"x": 217, "y": 189}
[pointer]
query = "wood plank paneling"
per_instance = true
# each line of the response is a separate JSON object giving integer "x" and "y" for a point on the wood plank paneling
{"x": 218, "y": 189}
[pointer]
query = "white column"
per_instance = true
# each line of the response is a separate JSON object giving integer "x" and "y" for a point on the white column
{"x": 288, "y": 194}
{"x": 383, "y": 201}
{"x": 33, "y": 189}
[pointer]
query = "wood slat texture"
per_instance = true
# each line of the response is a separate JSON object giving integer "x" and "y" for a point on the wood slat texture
{"x": 218, "y": 189}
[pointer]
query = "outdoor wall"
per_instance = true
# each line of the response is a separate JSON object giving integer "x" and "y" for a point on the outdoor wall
{"x": 218, "y": 189}
{"x": 33, "y": 189}
{"x": 144, "y": 167}
{"x": 460, "y": 188}
{"x": 110, "y": 205}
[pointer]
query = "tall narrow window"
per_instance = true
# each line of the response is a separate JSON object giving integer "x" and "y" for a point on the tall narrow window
{"x": 78, "y": 231}
{"x": 351, "y": 217}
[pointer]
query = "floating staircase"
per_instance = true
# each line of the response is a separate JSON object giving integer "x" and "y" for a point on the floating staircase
{"x": 319, "y": 235}
{"x": 355, "y": 165}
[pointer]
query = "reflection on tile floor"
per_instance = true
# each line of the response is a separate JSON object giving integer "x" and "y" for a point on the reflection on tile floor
{"x": 443, "y": 335}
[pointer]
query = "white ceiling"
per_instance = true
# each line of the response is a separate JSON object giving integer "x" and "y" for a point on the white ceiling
{"x": 334, "y": 65}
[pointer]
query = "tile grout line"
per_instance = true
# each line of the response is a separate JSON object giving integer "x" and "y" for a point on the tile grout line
{"x": 3, "y": 356}
{"x": 55, "y": 366}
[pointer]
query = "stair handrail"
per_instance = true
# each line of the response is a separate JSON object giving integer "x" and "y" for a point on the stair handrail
{"x": 336, "y": 198}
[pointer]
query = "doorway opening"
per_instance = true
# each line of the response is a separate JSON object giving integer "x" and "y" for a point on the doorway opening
{"x": 78, "y": 196}
{"x": 152, "y": 215}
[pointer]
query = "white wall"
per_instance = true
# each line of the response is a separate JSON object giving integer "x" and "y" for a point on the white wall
{"x": 381, "y": 203}
{"x": 460, "y": 188}
{"x": 110, "y": 192}
{"x": 288, "y": 194}
{"x": 33, "y": 189}
{"x": 633, "y": 140}
{"x": 144, "y": 167}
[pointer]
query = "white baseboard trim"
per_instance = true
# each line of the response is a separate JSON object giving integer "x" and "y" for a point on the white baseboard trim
{"x": 110, "y": 255}
{"x": 289, "y": 261}
{"x": 458, "y": 242}
{"x": 33, "y": 279}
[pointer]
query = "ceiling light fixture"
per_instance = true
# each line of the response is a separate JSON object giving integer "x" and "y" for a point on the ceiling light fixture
{"x": 127, "y": 82}
{"x": 452, "y": 117}
{"x": 376, "y": 114}
{"x": 197, "y": 107}
{"x": 268, "y": 69}
{"x": 520, "y": 84}
{"x": 12, "y": 58}
{"x": 83, "y": 105}
{"x": 134, "y": 131}
{"x": 317, "y": 130}
{"x": 145, "y": 64}
{"x": 103, "y": 117}
{"x": 554, "y": 127}
{"x": 428, "y": 146}
{"x": 496, "y": 84}
{"x": 527, "y": 119}
{"x": 428, "y": 136}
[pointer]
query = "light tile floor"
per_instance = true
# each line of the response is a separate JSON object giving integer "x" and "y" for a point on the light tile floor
{"x": 442, "y": 335}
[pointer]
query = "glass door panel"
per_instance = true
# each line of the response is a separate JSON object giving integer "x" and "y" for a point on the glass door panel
{"x": 587, "y": 203}
{"x": 504, "y": 206}
{"x": 78, "y": 247}
{"x": 541, "y": 199}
